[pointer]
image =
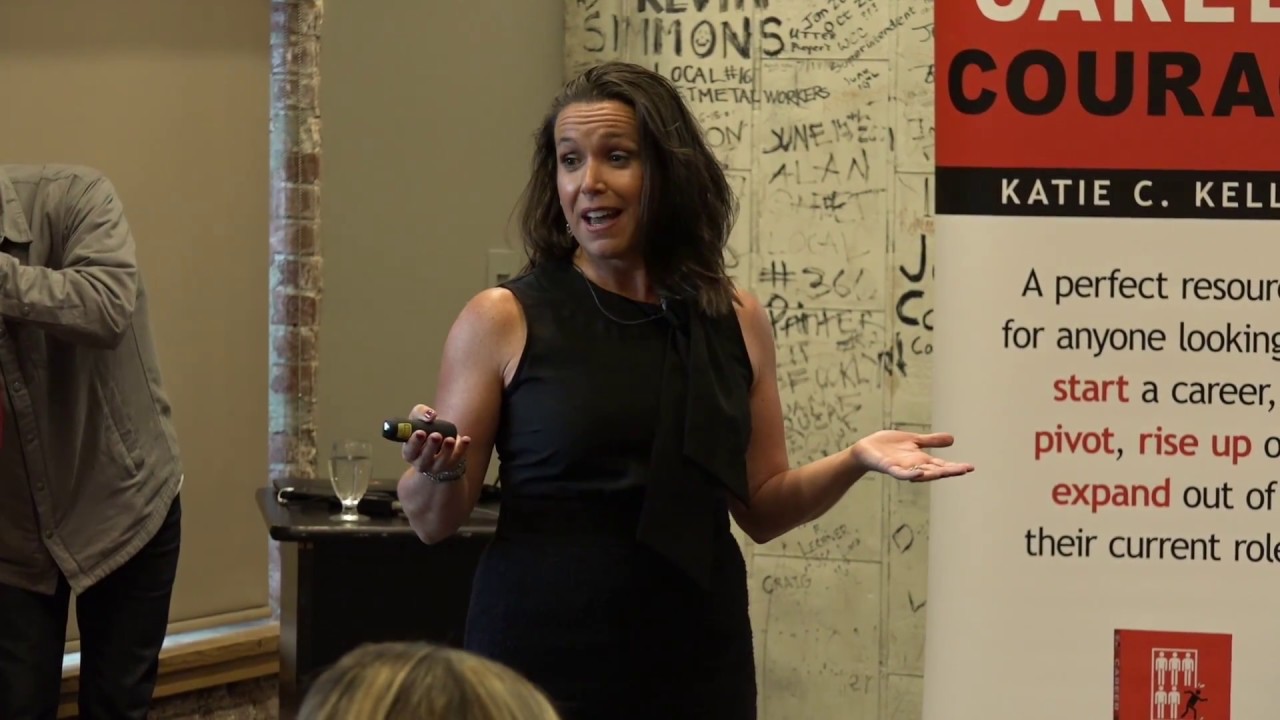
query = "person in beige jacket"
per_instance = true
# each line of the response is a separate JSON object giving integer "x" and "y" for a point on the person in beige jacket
{"x": 89, "y": 461}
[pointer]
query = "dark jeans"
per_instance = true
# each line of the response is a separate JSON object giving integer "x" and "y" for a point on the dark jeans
{"x": 122, "y": 621}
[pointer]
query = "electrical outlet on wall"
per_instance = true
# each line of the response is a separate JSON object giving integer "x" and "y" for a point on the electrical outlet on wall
{"x": 502, "y": 265}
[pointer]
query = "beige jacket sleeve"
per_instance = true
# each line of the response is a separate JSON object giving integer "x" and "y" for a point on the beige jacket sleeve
{"x": 86, "y": 289}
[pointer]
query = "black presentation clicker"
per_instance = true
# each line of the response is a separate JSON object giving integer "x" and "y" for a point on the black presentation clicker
{"x": 398, "y": 430}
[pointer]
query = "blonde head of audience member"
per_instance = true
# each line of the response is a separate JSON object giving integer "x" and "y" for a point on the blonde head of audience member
{"x": 393, "y": 680}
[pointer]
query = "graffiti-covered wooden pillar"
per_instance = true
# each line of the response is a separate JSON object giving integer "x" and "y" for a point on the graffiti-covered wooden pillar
{"x": 295, "y": 248}
{"x": 821, "y": 112}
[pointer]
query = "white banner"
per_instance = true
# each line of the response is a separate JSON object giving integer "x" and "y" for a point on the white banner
{"x": 1106, "y": 350}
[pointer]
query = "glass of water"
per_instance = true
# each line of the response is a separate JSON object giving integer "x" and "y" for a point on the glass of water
{"x": 350, "y": 464}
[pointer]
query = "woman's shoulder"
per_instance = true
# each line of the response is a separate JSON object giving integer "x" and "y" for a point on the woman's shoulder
{"x": 489, "y": 333}
{"x": 501, "y": 313}
{"x": 492, "y": 313}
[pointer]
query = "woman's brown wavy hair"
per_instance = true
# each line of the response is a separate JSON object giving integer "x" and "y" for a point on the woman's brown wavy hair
{"x": 687, "y": 208}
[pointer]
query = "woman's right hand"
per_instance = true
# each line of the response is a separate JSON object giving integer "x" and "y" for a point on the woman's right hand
{"x": 433, "y": 454}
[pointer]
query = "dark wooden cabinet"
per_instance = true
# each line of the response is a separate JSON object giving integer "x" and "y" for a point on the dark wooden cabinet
{"x": 346, "y": 584}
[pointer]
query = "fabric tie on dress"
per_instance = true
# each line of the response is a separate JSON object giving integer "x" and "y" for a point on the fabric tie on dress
{"x": 699, "y": 449}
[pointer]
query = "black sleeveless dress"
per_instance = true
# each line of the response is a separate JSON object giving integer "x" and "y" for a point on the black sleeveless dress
{"x": 613, "y": 581}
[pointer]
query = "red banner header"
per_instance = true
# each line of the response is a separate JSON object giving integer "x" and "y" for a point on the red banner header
{"x": 1121, "y": 84}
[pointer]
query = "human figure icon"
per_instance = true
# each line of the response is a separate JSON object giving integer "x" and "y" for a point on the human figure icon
{"x": 1162, "y": 665}
{"x": 1188, "y": 667}
{"x": 1174, "y": 666}
{"x": 1194, "y": 698}
{"x": 1172, "y": 700}
{"x": 1161, "y": 697}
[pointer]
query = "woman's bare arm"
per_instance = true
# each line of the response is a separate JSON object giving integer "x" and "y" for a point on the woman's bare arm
{"x": 783, "y": 497}
{"x": 480, "y": 355}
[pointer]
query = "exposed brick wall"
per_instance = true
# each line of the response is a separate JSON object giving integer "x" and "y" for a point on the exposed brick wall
{"x": 296, "y": 279}
{"x": 295, "y": 211}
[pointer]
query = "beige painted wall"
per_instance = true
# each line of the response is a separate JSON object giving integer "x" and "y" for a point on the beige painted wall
{"x": 170, "y": 99}
{"x": 427, "y": 134}
{"x": 428, "y": 111}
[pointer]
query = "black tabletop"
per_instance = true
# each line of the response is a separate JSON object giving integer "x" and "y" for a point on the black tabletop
{"x": 312, "y": 520}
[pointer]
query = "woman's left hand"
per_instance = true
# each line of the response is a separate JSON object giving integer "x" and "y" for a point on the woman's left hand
{"x": 902, "y": 455}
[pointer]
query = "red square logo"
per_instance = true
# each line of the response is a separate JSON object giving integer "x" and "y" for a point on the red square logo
{"x": 1172, "y": 675}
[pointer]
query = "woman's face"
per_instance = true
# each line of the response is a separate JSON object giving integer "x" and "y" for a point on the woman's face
{"x": 600, "y": 177}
